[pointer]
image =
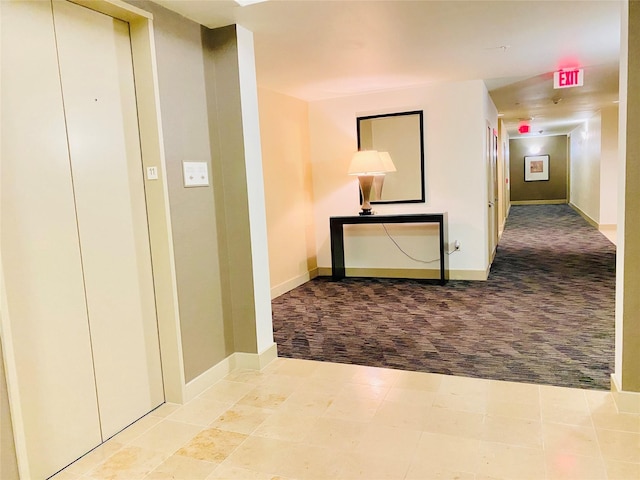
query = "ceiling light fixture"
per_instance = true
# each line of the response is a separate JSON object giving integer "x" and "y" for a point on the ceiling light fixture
{"x": 504, "y": 48}
{"x": 244, "y": 3}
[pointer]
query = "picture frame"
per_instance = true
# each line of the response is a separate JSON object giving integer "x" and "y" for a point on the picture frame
{"x": 536, "y": 168}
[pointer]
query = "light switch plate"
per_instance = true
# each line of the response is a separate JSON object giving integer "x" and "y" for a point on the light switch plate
{"x": 196, "y": 174}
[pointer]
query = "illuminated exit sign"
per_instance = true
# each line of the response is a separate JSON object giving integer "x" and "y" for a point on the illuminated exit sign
{"x": 568, "y": 78}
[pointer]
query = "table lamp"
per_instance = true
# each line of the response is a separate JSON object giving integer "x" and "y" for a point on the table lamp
{"x": 367, "y": 164}
{"x": 378, "y": 180}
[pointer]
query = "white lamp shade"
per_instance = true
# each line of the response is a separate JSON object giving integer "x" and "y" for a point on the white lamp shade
{"x": 388, "y": 163}
{"x": 366, "y": 162}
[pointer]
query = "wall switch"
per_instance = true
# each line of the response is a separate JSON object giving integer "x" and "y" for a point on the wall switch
{"x": 196, "y": 174}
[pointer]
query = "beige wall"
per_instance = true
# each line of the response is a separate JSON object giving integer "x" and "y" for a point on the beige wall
{"x": 237, "y": 176}
{"x": 206, "y": 337}
{"x": 284, "y": 129}
{"x": 8, "y": 462}
{"x": 556, "y": 187}
{"x": 219, "y": 234}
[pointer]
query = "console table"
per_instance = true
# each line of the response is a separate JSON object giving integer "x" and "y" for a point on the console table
{"x": 337, "y": 236}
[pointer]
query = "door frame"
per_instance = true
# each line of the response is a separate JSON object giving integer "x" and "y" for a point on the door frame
{"x": 491, "y": 157}
{"x": 159, "y": 223}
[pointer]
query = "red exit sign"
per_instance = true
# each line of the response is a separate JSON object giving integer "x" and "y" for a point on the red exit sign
{"x": 568, "y": 78}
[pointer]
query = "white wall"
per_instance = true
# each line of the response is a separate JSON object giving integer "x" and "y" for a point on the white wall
{"x": 609, "y": 167}
{"x": 454, "y": 127}
{"x": 594, "y": 166}
{"x": 584, "y": 163}
{"x": 623, "y": 317}
{"x": 255, "y": 188}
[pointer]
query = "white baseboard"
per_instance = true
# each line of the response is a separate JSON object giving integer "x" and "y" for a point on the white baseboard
{"x": 589, "y": 220}
{"x": 559, "y": 201}
{"x": 479, "y": 275}
{"x": 423, "y": 274}
{"x": 289, "y": 285}
{"x": 627, "y": 402}
{"x": 237, "y": 360}
{"x": 253, "y": 361}
{"x": 203, "y": 381}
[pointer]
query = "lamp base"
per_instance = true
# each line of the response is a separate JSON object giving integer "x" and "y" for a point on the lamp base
{"x": 366, "y": 182}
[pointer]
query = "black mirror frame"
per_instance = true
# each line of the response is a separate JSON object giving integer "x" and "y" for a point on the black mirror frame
{"x": 420, "y": 114}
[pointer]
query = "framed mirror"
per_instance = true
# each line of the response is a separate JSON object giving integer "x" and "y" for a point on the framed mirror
{"x": 402, "y": 135}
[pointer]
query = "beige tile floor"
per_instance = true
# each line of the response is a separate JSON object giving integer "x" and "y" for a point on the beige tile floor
{"x": 610, "y": 232}
{"x": 300, "y": 419}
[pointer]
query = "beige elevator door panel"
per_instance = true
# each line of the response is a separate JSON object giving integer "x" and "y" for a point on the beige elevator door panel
{"x": 97, "y": 83}
{"x": 40, "y": 253}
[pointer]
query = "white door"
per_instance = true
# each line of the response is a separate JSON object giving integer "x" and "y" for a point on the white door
{"x": 75, "y": 247}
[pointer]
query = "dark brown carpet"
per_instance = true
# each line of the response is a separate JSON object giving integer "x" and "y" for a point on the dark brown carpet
{"x": 546, "y": 314}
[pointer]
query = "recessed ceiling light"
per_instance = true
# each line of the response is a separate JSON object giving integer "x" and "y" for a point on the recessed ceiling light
{"x": 244, "y": 3}
{"x": 504, "y": 48}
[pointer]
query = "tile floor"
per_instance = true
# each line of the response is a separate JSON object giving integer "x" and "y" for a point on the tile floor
{"x": 299, "y": 419}
{"x": 610, "y": 233}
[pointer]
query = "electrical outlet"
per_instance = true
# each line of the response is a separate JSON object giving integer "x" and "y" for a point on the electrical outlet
{"x": 456, "y": 245}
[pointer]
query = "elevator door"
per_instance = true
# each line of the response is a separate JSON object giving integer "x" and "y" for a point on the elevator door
{"x": 75, "y": 247}
{"x": 96, "y": 74}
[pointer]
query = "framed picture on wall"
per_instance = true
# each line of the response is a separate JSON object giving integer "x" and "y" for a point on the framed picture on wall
{"x": 536, "y": 168}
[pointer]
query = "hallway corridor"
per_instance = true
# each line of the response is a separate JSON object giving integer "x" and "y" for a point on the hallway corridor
{"x": 545, "y": 315}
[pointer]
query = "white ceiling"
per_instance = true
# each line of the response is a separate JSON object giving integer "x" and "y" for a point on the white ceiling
{"x": 314, "y": 50}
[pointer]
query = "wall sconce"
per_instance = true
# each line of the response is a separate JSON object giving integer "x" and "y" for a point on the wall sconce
{"x": 368, "y": 164}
